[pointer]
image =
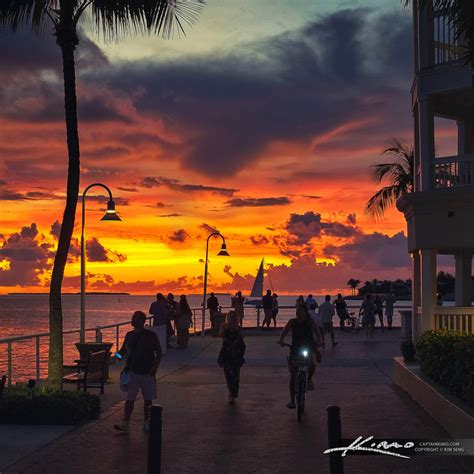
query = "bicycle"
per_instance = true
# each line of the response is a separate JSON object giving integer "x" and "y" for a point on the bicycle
{"x": 353, "y": 323}
{"x": 301, "y": 361}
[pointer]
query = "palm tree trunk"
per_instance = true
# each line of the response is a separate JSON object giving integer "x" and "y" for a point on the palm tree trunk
{"x": 67, "y": 40}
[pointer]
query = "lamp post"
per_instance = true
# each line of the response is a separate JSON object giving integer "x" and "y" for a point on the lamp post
{"x": 110, "y": 215}
{"x": 223, "y": 252}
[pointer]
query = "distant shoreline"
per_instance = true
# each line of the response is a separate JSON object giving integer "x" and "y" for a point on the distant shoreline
{"x": 101, "y": 293}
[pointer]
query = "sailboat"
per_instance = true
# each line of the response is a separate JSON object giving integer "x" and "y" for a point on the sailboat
{"x": 257, "y": 288}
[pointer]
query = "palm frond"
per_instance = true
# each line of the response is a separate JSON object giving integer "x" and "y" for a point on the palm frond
{"x": 15, "y": 14}
{"x": 116, "y": 18}
{"x": 382, "y": 200}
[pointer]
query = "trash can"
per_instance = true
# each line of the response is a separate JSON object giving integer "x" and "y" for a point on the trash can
{"x": 405, "y": 323}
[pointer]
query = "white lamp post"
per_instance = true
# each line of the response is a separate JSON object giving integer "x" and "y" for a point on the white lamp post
{"x": 223, "y": 252}
{"x": 110, "y": 215}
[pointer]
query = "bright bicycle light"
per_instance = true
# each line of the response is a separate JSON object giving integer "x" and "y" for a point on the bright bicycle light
{"x": 305, "y": 353}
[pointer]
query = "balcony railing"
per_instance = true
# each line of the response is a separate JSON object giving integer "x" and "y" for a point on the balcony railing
{"x": 455, "y": 318}
{"x": 447, "y": 47}
{"x": 453, "y": 171}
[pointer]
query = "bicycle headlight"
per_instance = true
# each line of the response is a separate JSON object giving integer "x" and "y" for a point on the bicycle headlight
{"x": 305, "y": 353}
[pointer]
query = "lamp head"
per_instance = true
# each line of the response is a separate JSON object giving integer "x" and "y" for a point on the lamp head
{"x": 111, "y": 213}
{"x": 223, "y": 252}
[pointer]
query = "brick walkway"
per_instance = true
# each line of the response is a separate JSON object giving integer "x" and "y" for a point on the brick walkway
{"x": 202, "y": 434}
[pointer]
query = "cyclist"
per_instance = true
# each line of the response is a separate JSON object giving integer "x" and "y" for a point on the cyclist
{"x": 303, "y": 329}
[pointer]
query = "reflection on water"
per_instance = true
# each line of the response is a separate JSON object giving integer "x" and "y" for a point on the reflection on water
{"x": 28, "y": 314}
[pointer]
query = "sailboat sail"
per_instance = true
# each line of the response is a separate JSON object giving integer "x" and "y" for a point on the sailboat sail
{"x": 257, "y": 289}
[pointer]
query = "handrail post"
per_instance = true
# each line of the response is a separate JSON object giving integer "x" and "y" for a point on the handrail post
{"x": 258, "y": 316}
{"x": 98, "y": 334}
{"x": 117, "y": 336}
{"x": 37, "y": 358}
{"x": 10, "y": 363}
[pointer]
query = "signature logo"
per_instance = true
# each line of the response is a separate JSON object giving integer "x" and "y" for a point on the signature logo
{"x": 382, "y": 447}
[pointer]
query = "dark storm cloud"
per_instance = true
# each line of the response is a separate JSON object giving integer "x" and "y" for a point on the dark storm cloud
{"x": 177, "y": 185}
{"x": 259, "y": 239}
{"x": 209, "y": 229}
{"x": 291, "y": 87}
{"x": 28, "y": 257}
{"x": 96, "y": 252}
{"x": 303, "y": 227}
{"x": 258, "y": 202}
{"x": 26, "y": 51}
{"x": 373, "y": 252}
{"x": 179, "y": 236}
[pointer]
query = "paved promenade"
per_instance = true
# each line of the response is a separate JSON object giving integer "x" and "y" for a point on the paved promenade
{"x": 203, "y": 434}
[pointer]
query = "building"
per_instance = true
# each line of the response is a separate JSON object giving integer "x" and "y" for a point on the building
{"x": 440, "y": 210}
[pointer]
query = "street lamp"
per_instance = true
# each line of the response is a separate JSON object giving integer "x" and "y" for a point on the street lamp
{"x": 110, "y": 215}
{"x": 223, "y": 253}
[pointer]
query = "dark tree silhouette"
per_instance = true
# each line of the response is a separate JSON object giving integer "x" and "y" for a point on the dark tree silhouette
{"x": 353, "y": 285}
{"x": 114, "y": 19}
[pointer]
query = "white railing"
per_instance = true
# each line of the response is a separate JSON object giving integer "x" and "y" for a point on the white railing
{"x": 31, "y": 361}
{"x": 447, "y": 47}
{"x": 454, "y": 318}
{"x": 453, "y": 171}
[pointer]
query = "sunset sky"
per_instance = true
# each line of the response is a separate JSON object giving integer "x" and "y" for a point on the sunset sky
{"x": 262, "y": 123}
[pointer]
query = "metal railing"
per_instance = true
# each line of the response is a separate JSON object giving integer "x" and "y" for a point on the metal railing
{"x": 33, "y": 362}
{"x": 455, "y": 318}
{"x": 453, "y": 171}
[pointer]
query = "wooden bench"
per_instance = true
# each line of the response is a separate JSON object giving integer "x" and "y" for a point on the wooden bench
{"x": 89, "y": 373}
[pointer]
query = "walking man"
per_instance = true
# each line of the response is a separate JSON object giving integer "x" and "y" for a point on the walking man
{"x": 267, "y": 304}
{"x": 326, "y": 313}
{"x": 143, "y": 351}
{"x": 341, "y": 309}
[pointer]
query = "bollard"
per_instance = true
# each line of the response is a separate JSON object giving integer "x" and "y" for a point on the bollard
{"x": 336, "y": 465}
{"x": 154, "y": 440}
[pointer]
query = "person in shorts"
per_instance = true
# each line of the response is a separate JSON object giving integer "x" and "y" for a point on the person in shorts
{"x": 326, "y": 312}
{"x": 341, "y": 309}
{"x": 143, "y": 351}
{"x": 267, "y": 305}
{"x": 275, "y": 309}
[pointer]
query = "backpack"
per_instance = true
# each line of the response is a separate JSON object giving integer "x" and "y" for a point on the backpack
{"x": 141, "y": 359}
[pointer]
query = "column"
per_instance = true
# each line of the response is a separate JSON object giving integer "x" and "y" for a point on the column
{"x": 428, "y": 289}
{"x": 416, "y": 296}
{"x": 465, "y": 137}
{"x": 426, "y": 141}
{"x": 463, "y": 285}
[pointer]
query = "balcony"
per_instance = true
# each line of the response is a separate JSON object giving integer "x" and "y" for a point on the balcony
{"x": 446, "y": 47}
{"x": 453, "y": 171}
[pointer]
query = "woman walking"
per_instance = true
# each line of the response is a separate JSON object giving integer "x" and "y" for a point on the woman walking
{"x": 231, "y": 356}
{"x": 184, "y": 319}
{"x": 367, "y": 309}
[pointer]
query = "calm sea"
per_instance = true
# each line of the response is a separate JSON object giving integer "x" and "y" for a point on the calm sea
{"x": 28, "y": 314}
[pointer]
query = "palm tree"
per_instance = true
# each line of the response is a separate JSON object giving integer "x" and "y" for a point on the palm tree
{"x": 114, "y": 18}
{"x": 461, "y": 18}
{"x": 353, "y": 284}
{"x": 399, "y": 174}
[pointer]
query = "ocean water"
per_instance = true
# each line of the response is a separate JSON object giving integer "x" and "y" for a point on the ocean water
{"x": 28, "y": 314}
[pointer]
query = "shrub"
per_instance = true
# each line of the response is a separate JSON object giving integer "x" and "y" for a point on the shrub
{"x": 448, "y": 358}
{"x": 48, "y": 407}
{"x": 408, "y": 351}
